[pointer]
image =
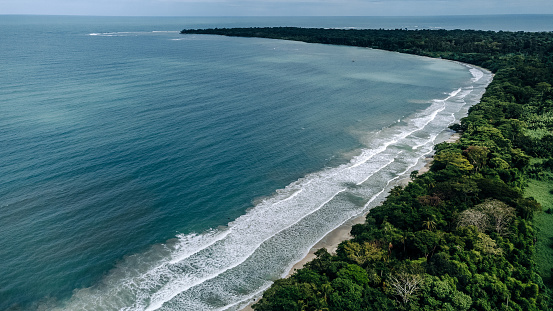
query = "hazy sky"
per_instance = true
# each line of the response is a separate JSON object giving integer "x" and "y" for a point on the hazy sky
{"x": 275, "y": 7}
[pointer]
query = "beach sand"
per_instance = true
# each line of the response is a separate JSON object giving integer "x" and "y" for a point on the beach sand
{"x": 342, "y": 233}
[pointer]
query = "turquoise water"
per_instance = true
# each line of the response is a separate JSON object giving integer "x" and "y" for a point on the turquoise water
{"x": 146, "y": 170}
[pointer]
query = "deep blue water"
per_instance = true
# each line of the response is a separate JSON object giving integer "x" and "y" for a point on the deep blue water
{"x": 146, "y": 170}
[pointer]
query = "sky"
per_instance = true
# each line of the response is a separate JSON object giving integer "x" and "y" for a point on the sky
{"x": 275, "y": 7}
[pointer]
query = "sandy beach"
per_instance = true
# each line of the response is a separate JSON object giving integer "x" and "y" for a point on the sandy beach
{"x": 342, "y": 233}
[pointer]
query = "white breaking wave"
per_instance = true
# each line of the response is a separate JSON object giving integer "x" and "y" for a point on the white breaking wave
{"x": 477, "y": 74}
{"x": 223, "y": 269}
{"x": 129, "y": 33}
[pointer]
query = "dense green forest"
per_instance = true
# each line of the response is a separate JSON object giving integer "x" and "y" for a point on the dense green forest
{"x": 462, "y": 236}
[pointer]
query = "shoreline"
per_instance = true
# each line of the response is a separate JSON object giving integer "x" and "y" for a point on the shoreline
{"x": 342, "y": 233}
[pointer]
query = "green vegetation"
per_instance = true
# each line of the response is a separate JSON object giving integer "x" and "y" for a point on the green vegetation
{"x": 462, "y": 236}
{"x": 542, "y": 192}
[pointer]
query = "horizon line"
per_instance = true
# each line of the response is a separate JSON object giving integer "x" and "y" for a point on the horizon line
{"x": 280, "y": 16}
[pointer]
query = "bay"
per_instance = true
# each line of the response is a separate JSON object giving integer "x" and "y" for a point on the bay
{"x": 143, "y": 170}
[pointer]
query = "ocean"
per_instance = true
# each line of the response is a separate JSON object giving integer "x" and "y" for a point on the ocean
{"x": 147, "y": 170}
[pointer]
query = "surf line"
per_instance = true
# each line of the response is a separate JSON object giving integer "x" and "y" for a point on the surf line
{"x": 170, "y": 295}
{"x": 287, "y": 271}
{"x": 372, "y": 199}
{"x": 395, "y": 140}
{"x": 218, "y": 237}
{"x": 166, "y": 293}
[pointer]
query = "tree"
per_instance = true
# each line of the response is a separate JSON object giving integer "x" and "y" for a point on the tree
{"x": 512, "y": 128}
{"x": 487, "y": 245}
{"x": 543, "y": 88}
{"x": 426, "y": 241}
{"x": 405, "y": 285}
{"x": 430, "y": 223}
{"x": 448, "y": 191}
{"x": 490, "y": 137}
{"x": 430, "y": 200}
{"x": 283, "y": 295}
{"x": 354, "y": 273}
{"x": 500, "y": 215}
{"x": 390, "y": 234}
{"x": 440, "y": 293}
{"x": 528, "y": 206}
{"x": 362, "y": 254}
{"x": 478, "y": 156}
{"x": 472, "y": 217}
{"x": 496, "y": 188}
{"x": 347, "y": 295}
{"x": 450, "y": 159}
